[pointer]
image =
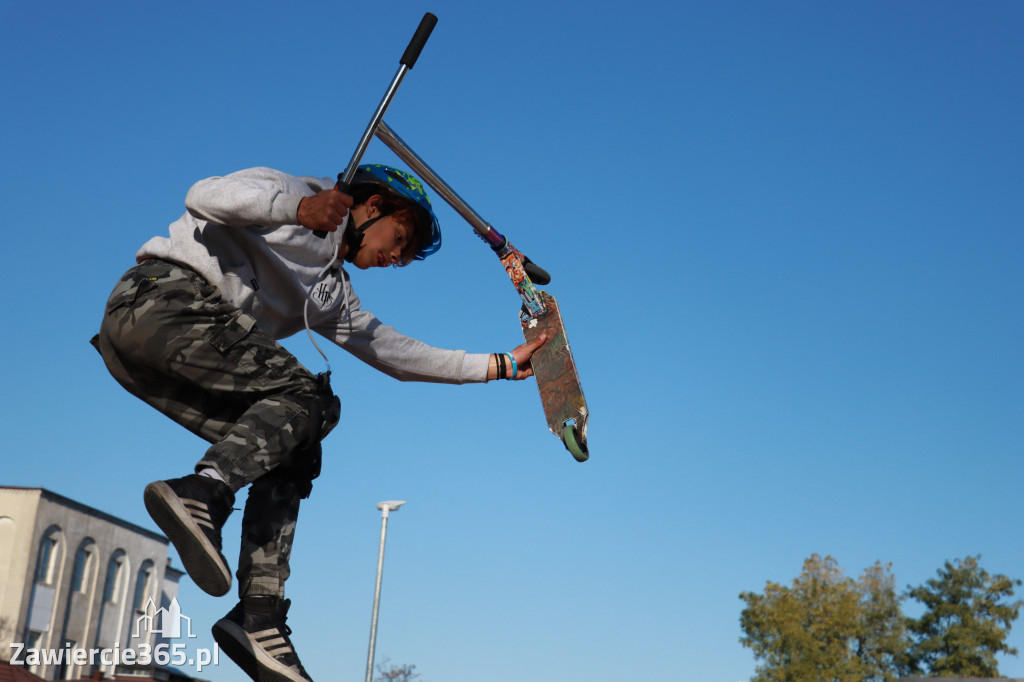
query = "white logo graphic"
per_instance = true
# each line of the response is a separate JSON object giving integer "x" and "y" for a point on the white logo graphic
{"x": 161, "y": 621}
{"x": 165, "y": 623}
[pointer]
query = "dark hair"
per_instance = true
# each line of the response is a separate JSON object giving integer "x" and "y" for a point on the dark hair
{"x": 398, "y": 206}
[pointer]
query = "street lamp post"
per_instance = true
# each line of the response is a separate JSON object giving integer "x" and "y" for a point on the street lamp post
{"x": 385, "y": 508}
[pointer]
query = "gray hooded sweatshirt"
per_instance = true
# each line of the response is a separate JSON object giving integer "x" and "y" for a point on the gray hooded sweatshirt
{"x": 240, "y": 234}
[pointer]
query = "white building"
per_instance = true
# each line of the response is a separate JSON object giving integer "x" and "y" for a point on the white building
{"x": 73, "y": 577}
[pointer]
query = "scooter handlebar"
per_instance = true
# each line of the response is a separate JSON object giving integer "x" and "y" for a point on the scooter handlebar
{"x": 419, "y": 39}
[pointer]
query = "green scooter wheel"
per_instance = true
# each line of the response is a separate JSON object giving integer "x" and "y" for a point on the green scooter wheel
{"x": 572, "y": 444}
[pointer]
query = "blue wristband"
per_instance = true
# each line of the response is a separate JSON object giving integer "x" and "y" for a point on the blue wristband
{"x": 515, "y": 368}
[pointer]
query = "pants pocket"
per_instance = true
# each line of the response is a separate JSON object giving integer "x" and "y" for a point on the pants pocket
{"x": 234, "y": 340}
{"x": 127, "y": 291}
{"x": 226, "y": 336}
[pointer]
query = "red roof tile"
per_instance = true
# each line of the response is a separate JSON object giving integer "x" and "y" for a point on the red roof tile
{"x": 16, "y": 673}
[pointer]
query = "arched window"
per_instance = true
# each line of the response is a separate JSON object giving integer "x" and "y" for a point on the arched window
{"x": 115, "y": 585}
{"x": 50, "y": 554}
{"x": 43, "y": 600}
{"x": 8, "y": 528}
{"x": 84, "y": 568}
{"x": 77, "y": 607}
{"x": 143, "y": 586}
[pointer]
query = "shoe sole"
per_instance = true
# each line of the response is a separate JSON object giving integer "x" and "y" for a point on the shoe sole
{"x": 249, "y": 656}
{"x": 201, "y": 559}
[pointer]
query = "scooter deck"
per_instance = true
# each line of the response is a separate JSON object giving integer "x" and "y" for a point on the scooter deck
{"x": 554, "y": 368}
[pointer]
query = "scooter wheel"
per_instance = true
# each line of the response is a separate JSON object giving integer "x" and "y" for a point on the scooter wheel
{"x": 572, "y": 444}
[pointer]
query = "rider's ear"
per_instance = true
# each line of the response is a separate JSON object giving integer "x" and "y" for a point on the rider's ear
{"x": 373, "y": 205}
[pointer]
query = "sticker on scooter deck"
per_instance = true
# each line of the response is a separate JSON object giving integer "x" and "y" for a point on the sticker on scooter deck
{"x": 557, "y": 379}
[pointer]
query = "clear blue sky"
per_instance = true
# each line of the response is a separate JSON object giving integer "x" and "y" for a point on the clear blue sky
{"x": 787, "y": 239}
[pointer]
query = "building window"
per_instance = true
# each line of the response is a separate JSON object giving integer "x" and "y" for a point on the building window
{"x": 66, "y": 669}
{"x": 47, "y": 564}
{"x": 115, "y": 577}
{"x": 34, "y": 641}
{"x": 83, "y": 569}
{"x": 143, "y": 586}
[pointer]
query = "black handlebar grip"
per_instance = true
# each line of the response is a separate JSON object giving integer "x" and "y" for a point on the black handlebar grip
{"x": 537, "y": 274}
{"x": 419, "y": 39}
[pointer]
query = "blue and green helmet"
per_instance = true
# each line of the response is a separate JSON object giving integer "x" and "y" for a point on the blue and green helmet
{"x": 408, "y": 186}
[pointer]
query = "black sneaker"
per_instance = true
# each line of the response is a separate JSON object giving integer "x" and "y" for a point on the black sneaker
{"x": 254, "y": 635}
{"x": 191, "y": 511}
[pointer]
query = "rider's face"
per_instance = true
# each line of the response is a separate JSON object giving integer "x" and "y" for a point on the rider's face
{"x": 384, "y": 243}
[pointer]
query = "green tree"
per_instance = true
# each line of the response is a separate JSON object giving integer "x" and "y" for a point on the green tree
{"x": 827, "y": 627}
{"x": 883, "y": 640}
{"x": 966, "y": 621}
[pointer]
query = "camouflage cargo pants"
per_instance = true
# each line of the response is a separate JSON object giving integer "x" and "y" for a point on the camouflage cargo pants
{"x": 171, "y": 340}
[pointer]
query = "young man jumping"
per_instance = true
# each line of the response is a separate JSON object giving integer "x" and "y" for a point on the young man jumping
{"x": 192, "y": 330}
